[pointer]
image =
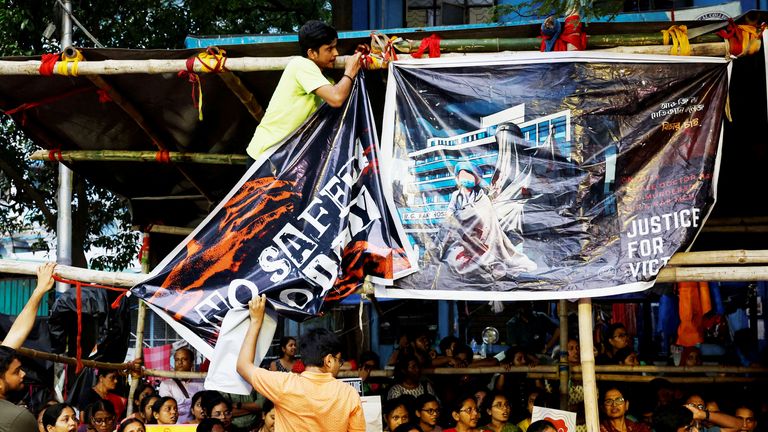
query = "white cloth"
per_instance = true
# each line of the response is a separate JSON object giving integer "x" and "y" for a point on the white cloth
{"x": 222, "y": 374}
{"x": 170, "y": 388}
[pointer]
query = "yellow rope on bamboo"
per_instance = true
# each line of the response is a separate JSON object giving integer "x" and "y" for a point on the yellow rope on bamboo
{"x": 679, "y": 36}
{"x": 62, "y": 67}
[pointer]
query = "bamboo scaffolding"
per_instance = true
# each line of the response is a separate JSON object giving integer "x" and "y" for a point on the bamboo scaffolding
{"x": 138, "y": 354}
{"x": 737, "y": 256}
{"x": 746, "y": 220}
{"x": 589, "y": 380}
{"x": 141, "y": 156}
{"x": 57, "y": 358}
{"x": 486, "y": 45}
{"x": 243, "y": 94}
{"x": 737, "y": 229}
{"x": 254, "y": 64}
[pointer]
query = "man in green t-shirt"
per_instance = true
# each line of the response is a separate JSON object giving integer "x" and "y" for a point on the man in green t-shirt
{"x": 303, "y": 87}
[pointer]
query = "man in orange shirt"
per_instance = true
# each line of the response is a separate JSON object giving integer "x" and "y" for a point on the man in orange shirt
{"x": 313, "y": 400}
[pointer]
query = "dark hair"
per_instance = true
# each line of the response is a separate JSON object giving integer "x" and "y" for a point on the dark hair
{"x": 670, "y": 418}
{"x": 315, "y": 34}
{"x": 285, "y": 339}
{"x": 99, "y": 405}
{"x": 7, "y": 356}
{"x": 318, "y": 343}
{"x": 459, "y": 402}
{"x": 614, "y": 386}
{"x": 207, "y": 424}
{"x": 144, "y": 404}
{"x": 401, "y": 367}
{"x": 406, "y": 401}
{"x": 158, "y": 405}
{"x": 128, "y": 422}
{"x": 52, "y": 413}
{"x": 369, "y": 356}
{"x": 488, "y": 401}
{"x": 540, "y": 426}
{"x": 211, "y": 401}
{"x": 408, "y": 427}
{"x": 143, "y": 385}
{"x": 446, "y": 342}
{"x": 267, "y": 406}
{"x": 612, "y": 329}
{"x": 423, "y": 400}
{"x": 620, "y": 355}
{"x": 199, "y": 395}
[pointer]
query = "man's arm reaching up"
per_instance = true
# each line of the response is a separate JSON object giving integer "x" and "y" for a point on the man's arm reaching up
{"x": 245, "y": 366}
{"x": 23, "y": 323}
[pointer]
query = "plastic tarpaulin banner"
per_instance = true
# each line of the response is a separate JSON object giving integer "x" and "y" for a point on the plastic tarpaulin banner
{"x": 557, "y": 175}
{"x": 309, "y": 220}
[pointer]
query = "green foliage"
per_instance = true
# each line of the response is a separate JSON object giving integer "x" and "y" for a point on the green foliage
{"x": 100, "y": 218}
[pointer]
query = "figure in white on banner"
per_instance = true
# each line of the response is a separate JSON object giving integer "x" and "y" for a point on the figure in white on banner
{"x": 474, "y": 239}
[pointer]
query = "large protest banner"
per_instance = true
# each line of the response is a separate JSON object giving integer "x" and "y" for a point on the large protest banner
{"x": 556, "y": 175}
{"x": 307, "y": 221}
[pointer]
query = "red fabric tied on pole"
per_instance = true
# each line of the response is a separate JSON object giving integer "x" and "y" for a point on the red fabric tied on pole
{"x": 47, "y": 63}
{"x": 162, "y": 156}
{"x": 431, "y": 44}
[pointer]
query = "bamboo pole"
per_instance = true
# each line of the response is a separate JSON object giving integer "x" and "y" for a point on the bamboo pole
{"x": 739, "y": 256}
{"x": 124, "y": 280}
{"x": 140, "y": 156}
{"x": 704, "y": 274}
{"x": 58, "y": 358}
{"x": 562, "y": 369}
{"x": 138, "y": 353}
{"x": 254, "y": 64}
{"x": 588, "y": 378}
{"x": 243, "y": 94}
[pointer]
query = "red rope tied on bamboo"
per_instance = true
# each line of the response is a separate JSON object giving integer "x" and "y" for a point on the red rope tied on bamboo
{"x": 163, "y": 156}
{"x": 197, "y": 89}
{"x": 213, "y": 60}
{"x": 742, "y": 39}
{"x": 431, "y": 44}
{"x": 48, "y": 63}
{"x": 79, "y": 301}
{"x": 55, "y": 155}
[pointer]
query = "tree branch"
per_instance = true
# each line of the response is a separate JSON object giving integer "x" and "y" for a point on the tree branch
{"x": 31, "y": 193}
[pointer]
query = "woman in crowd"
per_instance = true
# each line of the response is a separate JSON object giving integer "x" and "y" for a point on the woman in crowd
{"x": 131, "y": 425}
{"x": 407, "y": 378}
{"x": 287, "y": 361}
{"x": 106, "y": 382}
{"x": 146, "y": 408}
{"x": 101, "y": 416}
{"x": 626, "y": 357}
{"x": 196, "y": 410}
{"x": 267, "y": 417}
{"x": 143, "y": 390}
{"x": 497, "y": 409}
{"x": 216, "y": 406}
{"x": 397, "y": 411}
{"x": 616, "y": 338}
{"x": 466, "y": 415}
{"x": 615, "y": 405}
{"x": 165, "y": 411}
{"x": 59, "y": 418}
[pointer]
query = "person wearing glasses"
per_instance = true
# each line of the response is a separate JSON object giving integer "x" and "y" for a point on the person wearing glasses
{"x": 708, "y": 419}
{"x": 497, "y": 408}
{"x": 615, "y": 406}
{"x": 427, "y": 413}
{"x": 616, "y": 338}
{"x": 100, "y": 416}
{"x": 313, "y": 400}
{"x": 466, "y": 415}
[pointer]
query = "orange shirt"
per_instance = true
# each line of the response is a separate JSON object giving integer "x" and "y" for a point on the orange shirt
{"x": 310, "y": 402}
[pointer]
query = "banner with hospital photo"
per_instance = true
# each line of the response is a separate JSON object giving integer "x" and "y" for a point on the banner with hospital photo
{"x": 550, "y": 175}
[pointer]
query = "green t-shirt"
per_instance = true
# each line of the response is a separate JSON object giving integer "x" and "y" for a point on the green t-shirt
{"x": 292, "y": 103}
